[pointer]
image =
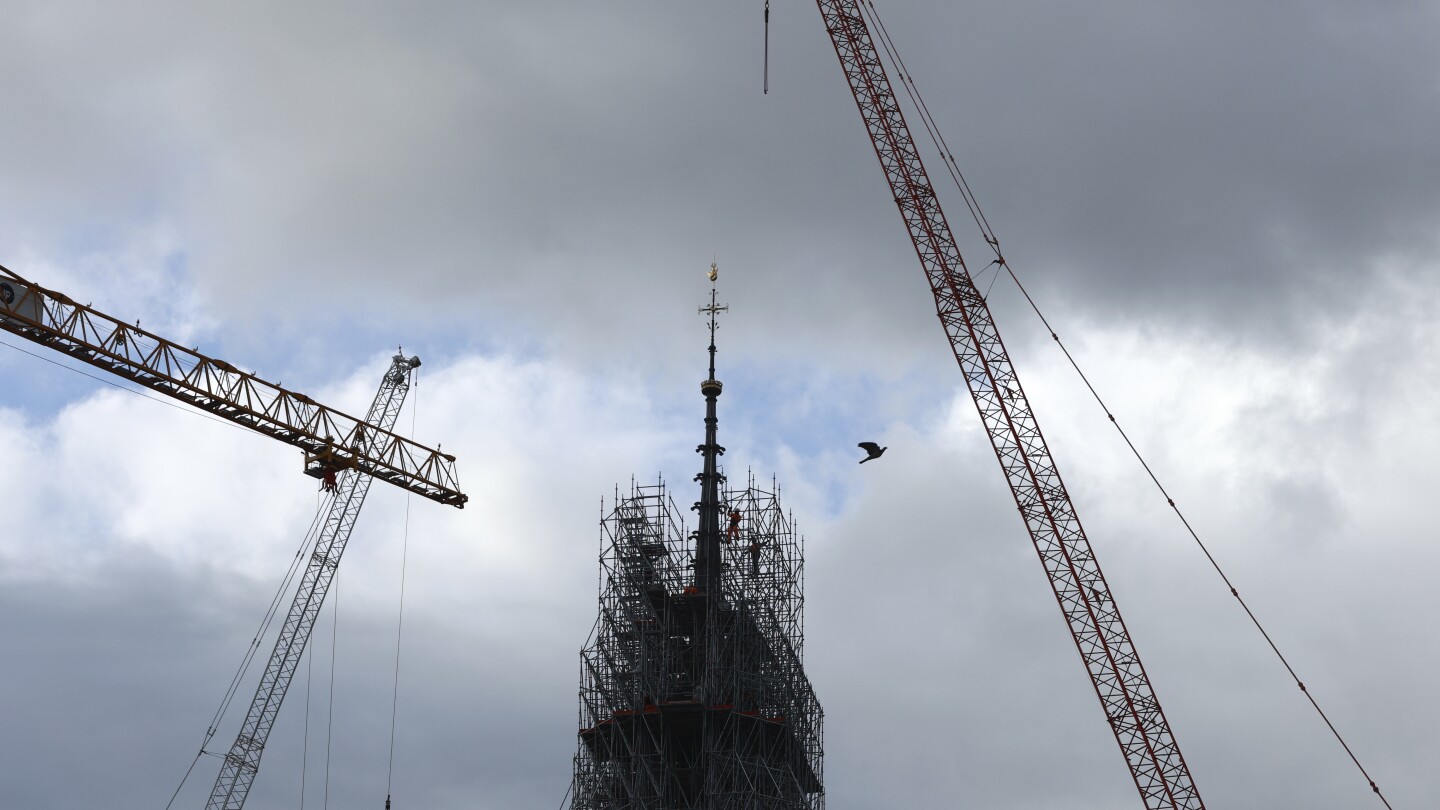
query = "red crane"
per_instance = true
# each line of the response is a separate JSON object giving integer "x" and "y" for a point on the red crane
{"x": 1085, "y": 599}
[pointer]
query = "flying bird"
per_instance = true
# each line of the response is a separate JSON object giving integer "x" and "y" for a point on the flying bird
{"x": 874, "y": 450}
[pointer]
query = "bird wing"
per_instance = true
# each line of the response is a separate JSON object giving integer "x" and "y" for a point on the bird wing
{"x": 869, "y": 447}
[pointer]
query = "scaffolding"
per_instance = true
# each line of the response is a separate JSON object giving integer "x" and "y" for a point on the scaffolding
{"x": 696, "y": 698}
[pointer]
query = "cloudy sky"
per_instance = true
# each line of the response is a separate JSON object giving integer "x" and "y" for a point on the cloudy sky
{"x": 1230, "y": 211}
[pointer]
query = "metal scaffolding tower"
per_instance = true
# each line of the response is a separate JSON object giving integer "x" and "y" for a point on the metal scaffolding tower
{"x": 693, "y": 690}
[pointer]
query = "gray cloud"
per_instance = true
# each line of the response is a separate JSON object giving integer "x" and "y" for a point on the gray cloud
{"x": 542, "y": 167}
{"x": 1229, "y": 211}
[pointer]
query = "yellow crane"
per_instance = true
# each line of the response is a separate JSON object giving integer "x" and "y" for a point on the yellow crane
{"x": 331, "y": 440}
{"x": 346, "y": 453}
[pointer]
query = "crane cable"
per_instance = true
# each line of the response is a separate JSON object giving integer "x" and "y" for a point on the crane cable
{"x": 400, "y": 620}
{"x": 275, "y": 601}
{"x": 1196, "y": 537}
{"x": 127, "y": 389}
{"x": 305, "y": 740}
{"x": 330, "y": 711}
{"x": 252, "y": 650}
{"x": 767, "y": 47}
{"x": 983, "y": 224}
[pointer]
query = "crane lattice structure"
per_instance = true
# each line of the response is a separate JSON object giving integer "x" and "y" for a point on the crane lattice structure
{"x": 1089, "y": 608}
{"x": 329, "y": 438}
{"x": 237, "y": 773}
{"x": 346, "y": 453}
{"x": 693, "y": 687}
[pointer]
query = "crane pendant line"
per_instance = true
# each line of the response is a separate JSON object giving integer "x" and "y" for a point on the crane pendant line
{"x": 237, "y": 773}
{"x": 1120, "y": 681}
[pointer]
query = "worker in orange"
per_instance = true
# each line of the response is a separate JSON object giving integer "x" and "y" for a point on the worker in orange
{"x": 734, "y": 530}
{"x": 327, "y": 483}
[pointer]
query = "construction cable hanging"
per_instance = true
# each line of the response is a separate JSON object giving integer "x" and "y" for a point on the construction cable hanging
{"x": 400, "y": 620}
{"x": 330, "y": 711}
{"x": 1196, "y": 537}
{"x": 767, "y": 47}
{"x": 913, "y": 91}
{"x": 305, "y": 739}
{"x": 250, "y": 652}
{"x": 126, "y": 389}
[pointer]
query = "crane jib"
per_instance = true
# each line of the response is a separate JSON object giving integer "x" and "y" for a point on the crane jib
{"x": 1136, "y": 719}
{"x": 50, "y": 318}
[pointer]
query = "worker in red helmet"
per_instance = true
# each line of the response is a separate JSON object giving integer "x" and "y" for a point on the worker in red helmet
{"x": 755, "y": 556}
{"x": 734, "y": 530}
{"x": 327, "y": 482}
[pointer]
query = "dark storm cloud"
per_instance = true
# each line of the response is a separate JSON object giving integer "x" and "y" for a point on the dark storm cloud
{"x": 1204, "y": 159}
{"x": 1227, "y": 164}
{"x": 549, "y": 166}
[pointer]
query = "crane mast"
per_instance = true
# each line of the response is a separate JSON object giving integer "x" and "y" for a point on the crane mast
{"x": 237, "y": 773}
{"x": 329, "y": 438}
{"x": 1085, "y": 599}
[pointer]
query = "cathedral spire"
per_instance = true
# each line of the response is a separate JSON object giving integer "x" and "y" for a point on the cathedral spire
{"x": 707, "y": 546}
{"x": 693, "y": 690}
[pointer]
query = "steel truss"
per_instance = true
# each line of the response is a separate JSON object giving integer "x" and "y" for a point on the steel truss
{"x": 1085, "y": 599}
{"x": 51, "y": 319}
{"x": 659, "y": 729}
{"x": 237, "y": 773}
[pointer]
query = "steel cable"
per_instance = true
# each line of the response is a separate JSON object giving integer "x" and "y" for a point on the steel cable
{"x": 983, "y": 224}
{"x": 1195, "y": 536}
{"x": 137, "y": 393}
{"x": 330, "y": 712}
{"x": 275, "y": 601}
{"x": 400, "y": 620}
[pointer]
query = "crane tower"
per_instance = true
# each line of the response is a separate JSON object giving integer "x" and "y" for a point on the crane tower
{"x": 1120, "y": 681}
{"x": 348, "y": 488}
{"x": 344, "y": 452}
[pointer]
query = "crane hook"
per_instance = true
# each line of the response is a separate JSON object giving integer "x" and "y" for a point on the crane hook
{"x": 767, "y": 47}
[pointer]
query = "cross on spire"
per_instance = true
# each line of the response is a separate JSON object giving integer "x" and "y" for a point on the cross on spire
{"x": 713, "y": 310}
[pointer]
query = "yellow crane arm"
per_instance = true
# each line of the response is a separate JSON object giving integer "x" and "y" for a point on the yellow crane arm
{"x": 331, "y": 440}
